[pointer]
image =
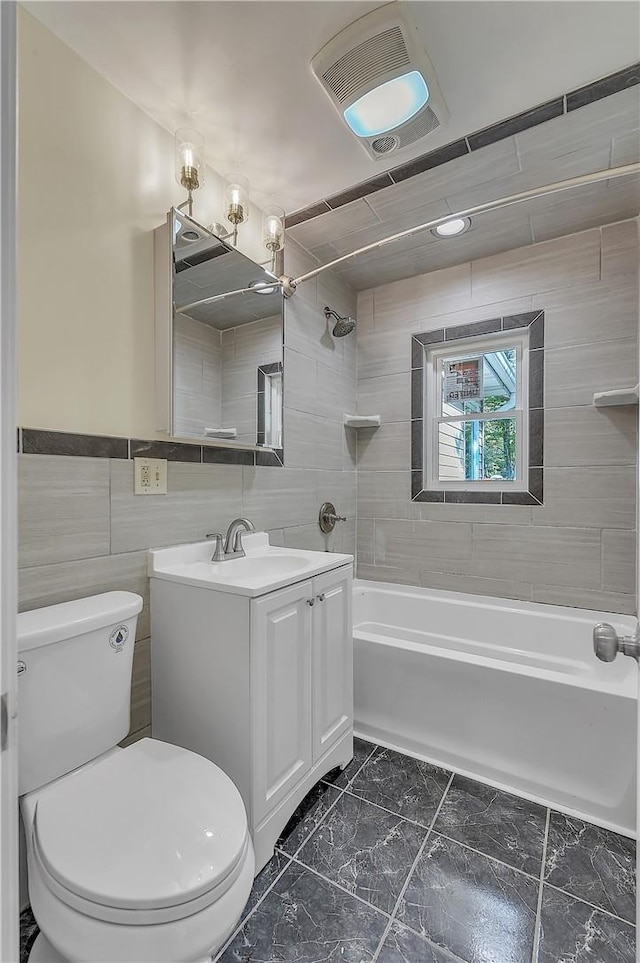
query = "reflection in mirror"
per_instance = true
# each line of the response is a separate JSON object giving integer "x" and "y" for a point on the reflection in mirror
{"x": 270, "y": 405}
{"x": 219, "y": 343}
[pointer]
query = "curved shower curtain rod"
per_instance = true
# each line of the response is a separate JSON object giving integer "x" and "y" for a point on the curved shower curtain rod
{"x": 289, "y": 284}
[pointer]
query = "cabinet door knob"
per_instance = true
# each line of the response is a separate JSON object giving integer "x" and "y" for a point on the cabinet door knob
{"x": 311, "y": 601}
{"x": 321, "y": 597}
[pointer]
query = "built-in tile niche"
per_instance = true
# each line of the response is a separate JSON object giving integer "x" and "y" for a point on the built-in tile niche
{"x": 460, "y": 338}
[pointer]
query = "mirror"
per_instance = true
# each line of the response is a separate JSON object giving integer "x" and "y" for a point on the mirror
{"x": 223, "y": 356}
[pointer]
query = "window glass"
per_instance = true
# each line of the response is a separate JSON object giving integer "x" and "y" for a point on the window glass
{"x": 475, "y": 385}
{"x": 478, "y": 450}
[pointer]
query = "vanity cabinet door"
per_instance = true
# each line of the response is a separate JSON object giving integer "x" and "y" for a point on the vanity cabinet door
{"x": 280, "y": 694}
{"x": 332, "y": 633}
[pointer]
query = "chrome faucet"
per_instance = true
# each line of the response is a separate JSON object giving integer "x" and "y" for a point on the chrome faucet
{"x": 231, "y": 545}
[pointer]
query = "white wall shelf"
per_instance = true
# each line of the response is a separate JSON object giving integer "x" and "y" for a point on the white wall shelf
{"x": 362, "y": 421}
{"x": 616, "y": 398}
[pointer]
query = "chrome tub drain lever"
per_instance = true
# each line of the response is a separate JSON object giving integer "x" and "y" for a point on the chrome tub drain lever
{"x": 607, "y": 643}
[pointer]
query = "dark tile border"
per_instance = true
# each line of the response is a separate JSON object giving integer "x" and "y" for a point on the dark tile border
{"x": 34, "y": 441}
{"x": 518, "y": 123}
{"x": 227, "y": 456}
{"x": 539, "y": 114}
{"x": 534, "y": 321}
{"x": 171, "y": 450}
{"x": 605, "y": 87}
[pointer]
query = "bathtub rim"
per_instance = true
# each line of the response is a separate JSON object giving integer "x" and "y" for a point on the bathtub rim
{"x": 625, "y": 688}
{"x": 625, "y": 622}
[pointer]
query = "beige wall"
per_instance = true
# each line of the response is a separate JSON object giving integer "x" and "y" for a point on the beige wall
{"x": 95, "y": 178}
{"x": 579, "y": 548}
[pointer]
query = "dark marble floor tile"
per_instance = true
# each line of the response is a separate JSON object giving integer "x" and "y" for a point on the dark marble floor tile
{"x": 573, "y": 931}
{"x": 364, "y": 849}
{"x": 307, "y": 817}
{"x": 593, "y": 864}
{"x": 265, "y": 878}
{"x": 361, "y": 752}
{"x": 304, "y": 919}
{"x": 478, "y": 909}
{"x": 497, "y": 823}
{"x": 28, "y": 932}
{"x": 401, "y": 945}
{"x": 403, "y": 785}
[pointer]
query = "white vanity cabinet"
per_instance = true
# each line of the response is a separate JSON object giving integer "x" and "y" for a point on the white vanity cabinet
{"x": 262, "y": 686}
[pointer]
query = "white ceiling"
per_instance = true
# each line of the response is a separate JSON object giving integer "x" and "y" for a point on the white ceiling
{"x": 239, "y": 71}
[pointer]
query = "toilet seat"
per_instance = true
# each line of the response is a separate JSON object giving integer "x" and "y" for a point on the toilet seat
{"x": 149, "y": 834}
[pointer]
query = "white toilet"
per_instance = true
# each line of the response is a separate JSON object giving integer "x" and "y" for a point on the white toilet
{"x": 136, "y": 855}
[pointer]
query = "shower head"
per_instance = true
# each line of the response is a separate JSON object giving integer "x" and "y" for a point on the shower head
{"x": 342, "y": 326}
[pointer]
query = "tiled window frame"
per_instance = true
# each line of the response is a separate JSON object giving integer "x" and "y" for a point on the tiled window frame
{"x": 533, "y": 321}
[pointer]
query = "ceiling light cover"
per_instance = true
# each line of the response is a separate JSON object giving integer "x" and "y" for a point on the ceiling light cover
{"x": 458, "y": 225}
{"x": 387, "y": 106}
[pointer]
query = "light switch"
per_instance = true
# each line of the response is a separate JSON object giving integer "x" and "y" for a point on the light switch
{"x": 150, "y": 476}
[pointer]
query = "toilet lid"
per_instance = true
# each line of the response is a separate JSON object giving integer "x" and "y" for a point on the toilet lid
{"x": 152, "y": 825}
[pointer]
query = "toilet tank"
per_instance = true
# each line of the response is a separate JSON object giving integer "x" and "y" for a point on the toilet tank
{"x": 74, "y": 683}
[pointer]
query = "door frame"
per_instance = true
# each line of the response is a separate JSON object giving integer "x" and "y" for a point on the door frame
{"x": 9, "y": 907}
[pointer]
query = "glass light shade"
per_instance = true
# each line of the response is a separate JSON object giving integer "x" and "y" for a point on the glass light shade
{"x": 236, "y": 199}
{"x": 457, "y": 225}
{"x": 273, "y": 228}
{"x": 189, "y": 158}
{"x": 388, "y": 105}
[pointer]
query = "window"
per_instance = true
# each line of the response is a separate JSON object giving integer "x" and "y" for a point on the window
{"x": 475, "y": 429}
{"x": 477, "y": 412}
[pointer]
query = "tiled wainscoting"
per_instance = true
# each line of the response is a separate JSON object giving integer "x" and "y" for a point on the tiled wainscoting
{"x": 579, "y": 547}
{"x": 82, "y": 530}
{"x": 397, "y": 861}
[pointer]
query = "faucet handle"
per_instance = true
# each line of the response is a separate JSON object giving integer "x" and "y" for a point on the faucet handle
{"x": 218, "y": 551}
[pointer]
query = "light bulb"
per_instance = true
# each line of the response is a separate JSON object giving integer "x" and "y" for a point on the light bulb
{"x": 457, "y": 225}
{"x": 189, "y": 149}
{"x": 273, "y": 228}
{"x": 236, "y": 199}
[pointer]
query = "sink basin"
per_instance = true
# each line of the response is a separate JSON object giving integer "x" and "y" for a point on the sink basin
{"x": 263, "y": 569}
{"x": 257, "y": 566}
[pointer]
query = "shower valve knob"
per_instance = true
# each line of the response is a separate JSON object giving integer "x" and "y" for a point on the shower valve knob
{"x": 328, "y": 517}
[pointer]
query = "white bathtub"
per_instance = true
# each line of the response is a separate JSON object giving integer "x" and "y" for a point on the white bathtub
{"x": 506, "y": 692}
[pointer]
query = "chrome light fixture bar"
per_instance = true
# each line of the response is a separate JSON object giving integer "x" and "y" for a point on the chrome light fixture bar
{"x": 290, "y": 284}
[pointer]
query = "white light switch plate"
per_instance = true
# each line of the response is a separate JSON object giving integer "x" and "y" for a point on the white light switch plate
{"x": 150, "y": 476}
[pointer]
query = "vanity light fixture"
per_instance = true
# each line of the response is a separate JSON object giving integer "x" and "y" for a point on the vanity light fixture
{"x": 189, "y": 148}
{"x": 236, "y": 203}
{"x": 273, "y": 231}
{"x": 457, "y": 225}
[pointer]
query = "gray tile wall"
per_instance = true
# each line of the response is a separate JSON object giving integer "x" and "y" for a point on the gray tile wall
{"x": 82, "y": 530}
{"x": 579, "y": 548}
